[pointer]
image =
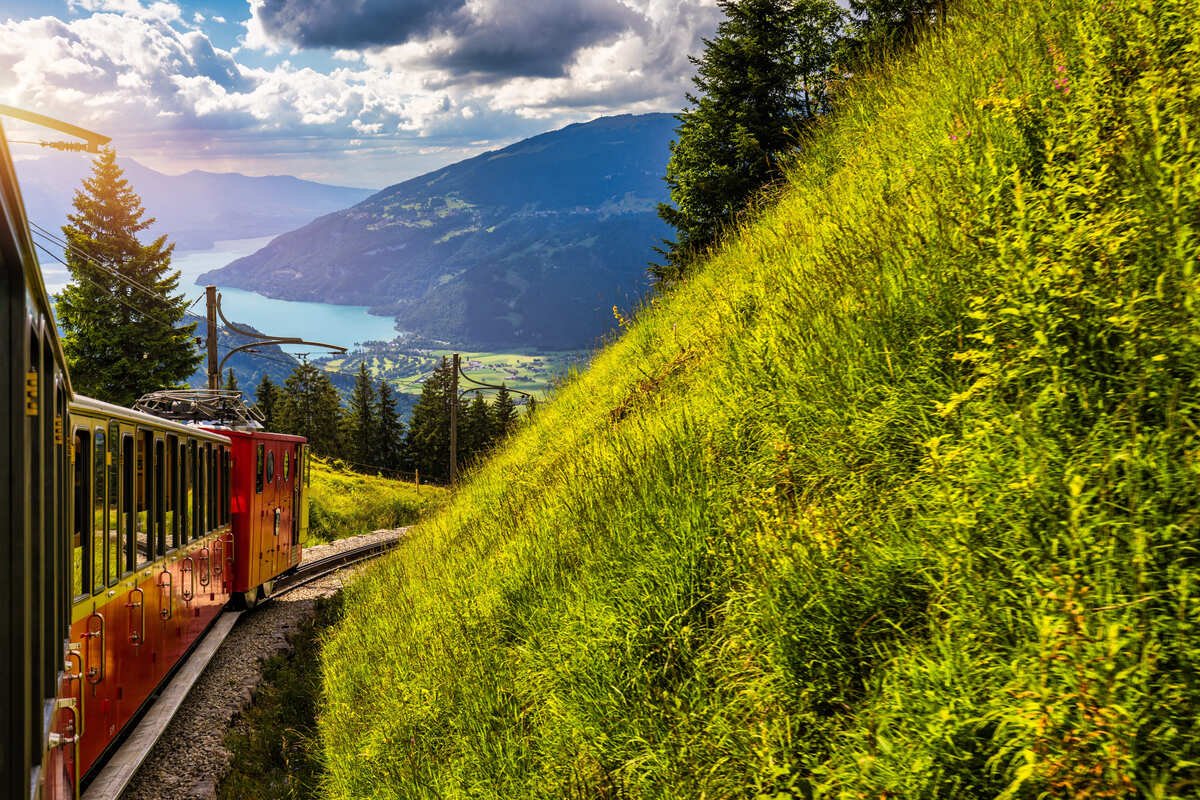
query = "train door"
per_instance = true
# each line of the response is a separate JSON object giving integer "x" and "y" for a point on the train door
{"x": 302, "y": 484}
{"x": 294, "y": 484}
{"x": 274, "y": 512}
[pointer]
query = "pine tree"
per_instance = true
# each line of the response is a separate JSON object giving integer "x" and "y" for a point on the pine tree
{"x": 389, "y": 443}
{"x": 231, "y": 381}
{"x": 266, "y": 398}
{"x": 759, "y": 81}
{"x": 429, "y": 426}
{"x": 504, "y": 413}
{"x": 311, "y": 407}
{"x": 361, "y": 421}
{"x": 477, "y": 435}
{"x": 880, "y": 25}
{"x": 121, "y": 335}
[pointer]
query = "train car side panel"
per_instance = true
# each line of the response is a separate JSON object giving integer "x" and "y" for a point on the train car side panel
{"x": 37, "y": 730}
{"x": 142, "y": 574}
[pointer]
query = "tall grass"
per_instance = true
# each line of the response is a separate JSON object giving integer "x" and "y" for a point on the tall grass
{"x": 343, "y": 503}
{"x": 896, "y": 498}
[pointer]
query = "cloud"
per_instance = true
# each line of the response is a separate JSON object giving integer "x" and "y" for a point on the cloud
{"x": 340, "y": 24}
{"x": 478, "y": 40}
{"x": 162, "y": 11}
{"x": 462, "y": 77}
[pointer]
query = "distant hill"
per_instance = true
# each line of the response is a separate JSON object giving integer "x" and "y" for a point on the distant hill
{"x": 529, "y": 245}
{"x": 194, "y": 209}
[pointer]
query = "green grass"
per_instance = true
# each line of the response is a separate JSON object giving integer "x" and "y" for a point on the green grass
{"x": 345, "y": 503}
{"x": 896, "y": 498}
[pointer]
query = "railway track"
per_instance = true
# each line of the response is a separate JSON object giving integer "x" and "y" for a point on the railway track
{"x": 122, "y": 766}
{"x": 319, "y": 568}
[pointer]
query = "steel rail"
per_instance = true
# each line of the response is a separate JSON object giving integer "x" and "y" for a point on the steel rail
{"x": 323, "y": 567}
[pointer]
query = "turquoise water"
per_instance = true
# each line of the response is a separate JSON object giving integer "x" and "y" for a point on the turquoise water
{"x": 322, "y": 322}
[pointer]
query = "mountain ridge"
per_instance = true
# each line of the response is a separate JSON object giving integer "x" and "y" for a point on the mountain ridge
{"x": 531, "y": 244}
{"x": 195, "y": 209}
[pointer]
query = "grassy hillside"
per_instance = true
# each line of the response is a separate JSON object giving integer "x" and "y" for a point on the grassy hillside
{"x": 897, "y": 498}
{"x": 346, "y": 503}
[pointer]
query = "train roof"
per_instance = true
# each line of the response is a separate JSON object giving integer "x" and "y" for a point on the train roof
{"x": 16, "y": 247}
{"x": 248, "y": 433}
{"x": 81, "y": 404}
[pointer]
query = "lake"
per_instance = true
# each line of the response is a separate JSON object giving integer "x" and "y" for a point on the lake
{"x": 322, "y": 322}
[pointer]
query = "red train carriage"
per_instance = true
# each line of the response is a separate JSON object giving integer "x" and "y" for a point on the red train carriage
{"x": 152, "y": 558}
{"x": 270, "y": 517}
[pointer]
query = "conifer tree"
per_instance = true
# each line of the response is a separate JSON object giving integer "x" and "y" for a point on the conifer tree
{"x": 266, "y": 397}
{"x": 231, "y": 381}
{"x": 390, "y": 441}
{"x": 504, "y": 413}
{"x": 760, "y": 79}
{"x": 477, "y": 431}
{"x": 879, "y": 25}
{"x": 429, "y": 426}
{"x": 121, "y": 335}
{"x": 361, "y": 425}
{"x": 311, "y": 407}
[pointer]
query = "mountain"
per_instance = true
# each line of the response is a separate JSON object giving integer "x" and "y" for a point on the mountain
{"x": 194, "y": 209}
{"x": 529, "y": 245}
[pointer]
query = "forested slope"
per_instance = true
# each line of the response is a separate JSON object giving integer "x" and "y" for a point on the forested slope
{"x": 896, "y": 497}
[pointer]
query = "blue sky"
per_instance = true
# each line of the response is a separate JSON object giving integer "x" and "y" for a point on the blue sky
{"x": 355, "y": 92}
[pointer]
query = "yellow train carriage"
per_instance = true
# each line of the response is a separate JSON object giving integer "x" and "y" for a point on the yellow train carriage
{"x": 151, "y": 557}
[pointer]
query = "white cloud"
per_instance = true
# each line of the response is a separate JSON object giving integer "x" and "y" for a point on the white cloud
{"x": 161, "y": 10}
{"x": 141, "y": 72}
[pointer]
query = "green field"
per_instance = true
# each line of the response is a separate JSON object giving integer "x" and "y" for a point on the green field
{"x": 898, "y": 496}
{"x": 532, "y": 371}
{"x": 343, "y": 502}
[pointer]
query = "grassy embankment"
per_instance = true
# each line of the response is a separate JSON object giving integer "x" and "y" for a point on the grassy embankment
{"x": 345, "y": 503}
{"x": 898, "y": 497}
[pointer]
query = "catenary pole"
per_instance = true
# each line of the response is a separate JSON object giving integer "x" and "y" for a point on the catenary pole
{"x": 454, "y": 425}
{"x": 210, "y": 299}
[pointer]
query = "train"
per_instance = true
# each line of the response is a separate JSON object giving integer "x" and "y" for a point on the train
{"x": 128, "y": 535}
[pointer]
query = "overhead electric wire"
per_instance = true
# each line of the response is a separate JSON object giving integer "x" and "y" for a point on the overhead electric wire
{"x": 95, "y": 262}
{"x": 139, "y": 311}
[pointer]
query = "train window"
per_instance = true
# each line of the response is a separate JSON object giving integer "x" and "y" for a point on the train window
{"x": 226, "y": 485}
{"x": 99, "y": 508}
{"x": 128, "y": 510}
{"x": 113, "y": 524}
{"x": 185, "y": 493}
{"x": 270, "y": 466}
{"x": 201, "y": 491}
{"x": 258, "y": 471}
{"x": 213, "y": 483}
{"x": 161, "y": 493}
{"x": 287, "y": 463}
{"x": 189, "y": 491}
{"x": 81, "y": 537}
{"x": 172, "y": 516}
{"x": 145, "y": 497}
{"x": 221, "y": 502}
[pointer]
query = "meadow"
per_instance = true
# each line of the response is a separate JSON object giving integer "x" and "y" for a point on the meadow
{"x": 896, "y": 497}
{"x": 342, "y": 502}
{"x": 405, "y": 366}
